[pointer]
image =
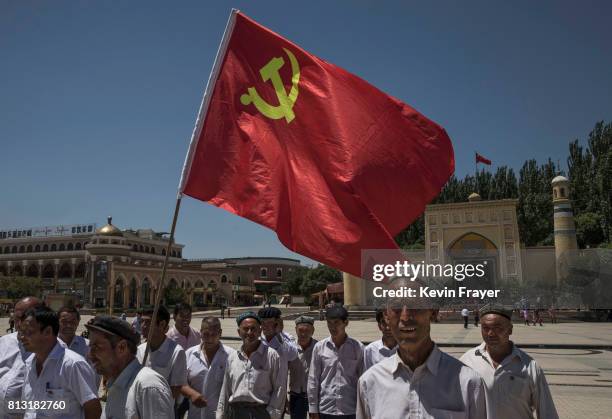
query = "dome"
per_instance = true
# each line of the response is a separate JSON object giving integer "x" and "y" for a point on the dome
{"x": 559, "y": 179}
{"x": 109, "y": 229}
{"x": 474, "y": 197}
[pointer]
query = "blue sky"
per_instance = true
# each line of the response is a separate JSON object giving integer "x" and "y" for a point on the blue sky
{"x": 98, "y": 98}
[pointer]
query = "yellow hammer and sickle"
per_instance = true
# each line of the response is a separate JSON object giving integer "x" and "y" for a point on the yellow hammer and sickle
{"x": 286, "y": 101}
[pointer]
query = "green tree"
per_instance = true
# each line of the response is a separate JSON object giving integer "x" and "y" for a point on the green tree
{"x": 294, "y": 279}
{"x": 174, "y": 295}
{"x": 588, "y": 229}
{"x": 317, "y": 279}
{"x": 20, "y": 286}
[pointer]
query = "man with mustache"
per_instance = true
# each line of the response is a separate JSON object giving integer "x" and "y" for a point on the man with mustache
{"x": 419, "y": 381}
{"x": 515, "y": 384}
{"x": 13, "y": 356}
{"x": 382, "y": 348}
{"x": 134, "y": 391}
{"x": 254, "y": 386}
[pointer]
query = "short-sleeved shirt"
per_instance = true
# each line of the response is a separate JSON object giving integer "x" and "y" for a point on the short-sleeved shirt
{"x": 333, "y": 376}
{"x": 186, "y": 342}
{"x": 65, "y": 376}
{"x": 376, "y": 352}
{"x": 12, "y": 368}
{"x": 516, "y": 388}
{"x": 168, "y": 360}
{"x": 79, "y": 344}
{"x": 465, "y": 312}
{"x": 442, "y": 387}
{"x": 138, "y": 393}
{"x": 206, "y": 378}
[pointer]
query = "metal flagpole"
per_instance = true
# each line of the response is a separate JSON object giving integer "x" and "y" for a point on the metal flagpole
{"x": 214, "y": 75}
{"x": 160, "y": 288}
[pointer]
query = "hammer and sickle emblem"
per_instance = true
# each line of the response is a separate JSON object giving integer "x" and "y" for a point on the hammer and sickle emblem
{"x": 286, "y": 101}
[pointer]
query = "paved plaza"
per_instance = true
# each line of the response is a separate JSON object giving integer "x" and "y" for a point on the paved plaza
{"x": 575, "y": 356}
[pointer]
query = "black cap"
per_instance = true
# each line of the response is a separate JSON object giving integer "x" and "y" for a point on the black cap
{"x": 269, "y": 313}
{"x": 492, "y": 308}
{"x": 247, "y": 315}
{"x": 113, "y": 326}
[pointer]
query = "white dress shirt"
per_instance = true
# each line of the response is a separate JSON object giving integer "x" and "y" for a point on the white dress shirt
{"x": 79, "y": 344}
{"x": 206, "y": 378}
{"x": 441, "y": 388}
{"x": 333, "y": 375}
{"x": 516, "y": 388}
{"x": 257, "y": 379}
{"x": 65, "y": 377}
{"x": 168, "y": 360}
{"x": 376, "y": 352}
{"x": 12, "y": 369}
{"x": 186, "y": 342}
{"x": 138, "y": 393}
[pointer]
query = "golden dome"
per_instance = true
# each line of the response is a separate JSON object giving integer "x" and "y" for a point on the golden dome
{"x": 109, "y": 229}
{"x": 474, "y": 197}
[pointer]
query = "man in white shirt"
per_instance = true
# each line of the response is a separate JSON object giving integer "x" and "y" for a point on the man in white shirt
{"x": 69, "y": 319}
{"x": 299, "y": 368}
{"x": 12, "y": 358}
{"x": 166, "y": 356}
{"x": 419, "y": 381}
{"x": 337, "y": 364}
{"x": 382, "y": 348}
{"x": 55, "y": 374}
{"x": 465, "y": 313}
{"x": 253, "y": 386}
{"x": 206, "y": 365}
{"x": 515, "y": 384}
{"x": 134, "y": 391}
{"x": 182, "y": 333}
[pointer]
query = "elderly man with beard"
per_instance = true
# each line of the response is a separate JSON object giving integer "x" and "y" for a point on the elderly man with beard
{"x": 254, "y": 386}
{"x": 206, "y": 365}
{"x": 419, "y": 381}
{"x": 134, "y": 391}
{"x": 54, "y": 374}
{"x": 382, "y": 348}
{"x": 13, "y": 356}
{"x": 515, "y": 384}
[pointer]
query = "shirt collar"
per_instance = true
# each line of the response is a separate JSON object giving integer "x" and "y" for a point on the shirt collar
{"x": 57, "y": 352}
{"x": 432, "y": 363}
{"x": 481, "y": 350}
{"x": 126, "y": 375}
{"x": 310, "y": 346}
{"x": 263, "y": 346}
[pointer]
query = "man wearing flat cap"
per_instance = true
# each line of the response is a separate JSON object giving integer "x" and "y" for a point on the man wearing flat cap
{"x": 134, "y": 391}
{"x": 515, "y": 384}
{"x": 299, "y": 367}
{"x": 254, "y": 386}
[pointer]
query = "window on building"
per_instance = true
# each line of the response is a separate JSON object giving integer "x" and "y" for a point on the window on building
{"x": 54, "y": 247}
{"x": 263, "y": 272}
{"x": 223, "y": 279}
{"x": 555, "y": 193}
{"x": 562, "y": 192}
{"x": 279, "y": 272}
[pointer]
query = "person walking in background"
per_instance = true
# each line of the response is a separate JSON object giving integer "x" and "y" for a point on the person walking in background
{"x": 537, "y": 317}
{"x": 465, "y": 313}
{"x": 476, "y": 317}
{"x": 137, "y": 322}
{"x": 515, "y": 384}
{"x": 526, "y": 316}
{"x": 553, "y": 314}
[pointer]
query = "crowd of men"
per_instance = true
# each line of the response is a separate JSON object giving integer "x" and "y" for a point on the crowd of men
{"x": 190, "y": 373}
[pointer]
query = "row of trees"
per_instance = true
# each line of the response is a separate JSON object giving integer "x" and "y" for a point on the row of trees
{"x": 590, "y": 174}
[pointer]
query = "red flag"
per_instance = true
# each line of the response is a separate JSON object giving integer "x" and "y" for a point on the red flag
{"x": 481, "y": 159}
{"x": 323, "y": 158}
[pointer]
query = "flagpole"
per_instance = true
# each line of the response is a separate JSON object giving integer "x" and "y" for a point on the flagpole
{"x": 160, "y": 287}
{"x": 212, "y": 81}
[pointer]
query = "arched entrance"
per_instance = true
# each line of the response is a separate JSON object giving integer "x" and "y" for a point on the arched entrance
{"x": 475, "y": 249}
{"x": 118, "y": 293}
{"x": 146, "y": 292}
{"x": 132, "y": 303}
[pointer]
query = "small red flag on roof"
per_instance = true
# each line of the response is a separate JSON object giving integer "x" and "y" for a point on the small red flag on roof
{"x": 482, "y": 159}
